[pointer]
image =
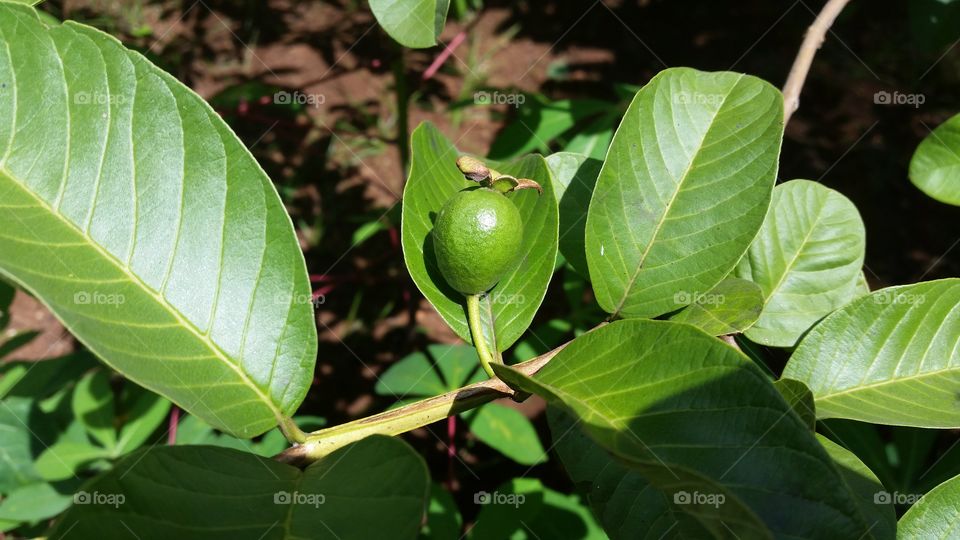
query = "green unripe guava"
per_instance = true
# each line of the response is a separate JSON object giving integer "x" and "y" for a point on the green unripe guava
{"x": 477, "y": 239}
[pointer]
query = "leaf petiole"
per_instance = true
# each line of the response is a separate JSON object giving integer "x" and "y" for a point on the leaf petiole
{"x": 479, "y": 341}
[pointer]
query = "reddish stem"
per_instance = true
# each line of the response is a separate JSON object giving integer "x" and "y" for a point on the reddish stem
{"x": 174, "y": 422}
{"x": 444, "y": 55}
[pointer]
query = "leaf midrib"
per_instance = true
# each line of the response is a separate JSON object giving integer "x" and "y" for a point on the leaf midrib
{"x": 181, "y": 320}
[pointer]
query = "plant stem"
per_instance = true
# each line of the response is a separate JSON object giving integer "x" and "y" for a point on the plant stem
{"x": 292, "y": 432}
{"x": 811, "y": 43}
{"x": 403, "y": 107}
{"x": 479, "y": 341}
{"x": 394, "y": 422}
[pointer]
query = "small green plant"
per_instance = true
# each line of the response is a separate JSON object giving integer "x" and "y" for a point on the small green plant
{"x": 131, "y": 210}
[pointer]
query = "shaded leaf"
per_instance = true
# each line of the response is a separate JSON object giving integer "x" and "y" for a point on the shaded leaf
{"x": 704, "y": 425}
{"x": 574, "y": 177}
{"x": 865, "y": 488}
{"x": 206, "y": 492}
{"x": 800, "y": 400}
{"x": 684, "y": 188}
{"x": 538, "y": 123}
{"x": 93, "y": 406}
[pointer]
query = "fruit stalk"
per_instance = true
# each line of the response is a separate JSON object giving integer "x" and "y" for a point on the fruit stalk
{"x": 476, "y": 330}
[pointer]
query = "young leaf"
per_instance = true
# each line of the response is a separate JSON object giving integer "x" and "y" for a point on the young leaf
{"x": 936, "y": 515}
{"x": 729, "y": 308}
{"x": 443, "y": 368}
{"x": 574, "y": 177}
{"x": 684, "y": 189}
{"x": 144, "y": 413}
{"x": 509, "y": 432}
{"x": 892, "y": 357}
{"x": 412, "y": 23}
{"x": 138, "y": 217}
{"x": 807, "y": 259}
{"x": 704, "y": 425}
{"x": 935, "y": 167}
{"x": 63, "y": 459}
{"x": 525, "y": 508}
{"x": 206, "y": 492}
{"x": 434, "y": 178}
{"x": 16, "y": 443}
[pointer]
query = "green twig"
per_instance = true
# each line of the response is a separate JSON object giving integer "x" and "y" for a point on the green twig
{"x": 479, "y": 341}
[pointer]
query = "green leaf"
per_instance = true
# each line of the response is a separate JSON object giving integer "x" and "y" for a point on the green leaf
{"x": 138, "y": 217}
{"x": 574, "y": 177}
{"x": 703, "y": 424}
{"x": 865, "y": 488}
{"x": 594, "y": 140}
{"x": 443, "y": 368}
{"x": 892, "y": 357}
{"x": 523, "y": 508}
{"x": 807, "y": 259}
{"x": 684, "y": 189}
{"x": 936, "y": 515}
{"x": 625, "y": 503}
{"x": 33, "y": 503}
{"x": 800, "y": 400}
{"x": 935, "y": 167}
{"x": 729, "y": 308}
{"x": 93, "y": 406}
{"x": 16, "y": 465}
{"x": 509, "y": 432}
{"x": 443, "y": 516}
{"x": 434, "y": 178}
{"x": 376, "y": 488}
{"x": 63, "y": 459}
{"x": 39, "y": 380}
{"x": 412, "y": 23}
{"x": 145, "y": 412}
{"x": 538, "y": 123}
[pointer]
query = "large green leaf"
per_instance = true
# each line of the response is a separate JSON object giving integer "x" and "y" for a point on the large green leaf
{"x": 626, "y": 504}
{"x": 892, "y": 357}
{"x": 376, "y": 488}
{"x": 705, "y": 426}
{"x": 412, "y": 23}
{"x": 936, "y": 515}
{"x": 684, "y": 189}
{"x": 133, "y": 212}
{"x": 935, "y": 167}
{"x": 434, "y": 178}
{"x": 807, "y": 260}
{"x": 729, "y": 308}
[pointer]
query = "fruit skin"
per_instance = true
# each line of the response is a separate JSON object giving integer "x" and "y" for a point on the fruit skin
{"x": 477, "y": 238}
